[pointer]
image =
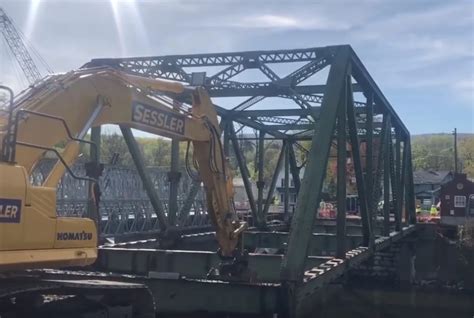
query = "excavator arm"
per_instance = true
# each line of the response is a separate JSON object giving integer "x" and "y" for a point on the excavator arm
{"x": 62, "y": 108}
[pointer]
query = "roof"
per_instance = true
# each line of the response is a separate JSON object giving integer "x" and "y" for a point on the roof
{"x": 428, "y": 192}
{"x": 430, "y": 176}
{"x": 237, "y": 182}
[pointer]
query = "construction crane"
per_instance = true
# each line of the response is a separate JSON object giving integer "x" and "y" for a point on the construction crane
{"x": 18, "y": 48}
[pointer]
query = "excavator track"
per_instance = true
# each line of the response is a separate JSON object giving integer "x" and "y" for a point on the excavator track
{"x": 79, "y": 295}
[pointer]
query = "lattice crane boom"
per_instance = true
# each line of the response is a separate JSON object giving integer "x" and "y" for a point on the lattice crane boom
{"x": 18, "y": 48}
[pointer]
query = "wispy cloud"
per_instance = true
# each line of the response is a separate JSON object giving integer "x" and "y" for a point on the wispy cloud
{"x": 465, "y": 89}
{"x": 288, "y": 22}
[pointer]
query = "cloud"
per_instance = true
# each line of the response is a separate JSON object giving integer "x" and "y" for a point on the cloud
{"x": 419, "y": 51}
{"x": 272, "y": 21}
{"x": 421, "y": 48}
{"x": 464, "y": 88}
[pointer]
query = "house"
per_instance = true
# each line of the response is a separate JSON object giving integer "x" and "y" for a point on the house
{"x": 280, "y": 189}
{"x": 457, "y": 200}
{"x": 241, "y": 200}
{"x": 428, "y": 185}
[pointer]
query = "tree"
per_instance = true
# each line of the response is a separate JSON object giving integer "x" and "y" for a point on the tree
{"x": 433, "y": 152}
{"x": 158, "y": 152}
{"x": 466, "y": 156}
{"x": 115, "y": 143}
{"x": 436, "y": 152}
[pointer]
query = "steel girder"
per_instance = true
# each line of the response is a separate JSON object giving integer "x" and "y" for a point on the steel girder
{"x": 221, "y": 83}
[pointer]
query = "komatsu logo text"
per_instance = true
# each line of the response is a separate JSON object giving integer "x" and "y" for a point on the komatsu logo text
{"x": 10, "y": 211}
{"x": 74, "y": 236}
{"x": 158, "y": 118}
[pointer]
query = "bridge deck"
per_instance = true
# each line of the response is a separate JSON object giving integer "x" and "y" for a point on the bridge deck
{"x": 177, "y": 278}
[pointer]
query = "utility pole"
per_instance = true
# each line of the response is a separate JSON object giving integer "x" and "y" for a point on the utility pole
{"x": 455, "y": 133}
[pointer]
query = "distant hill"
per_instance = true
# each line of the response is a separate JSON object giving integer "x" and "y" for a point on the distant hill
{"x": 460, "y": 135}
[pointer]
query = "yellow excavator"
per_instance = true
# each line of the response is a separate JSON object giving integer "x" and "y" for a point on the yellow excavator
{"x": 61, "y": 109}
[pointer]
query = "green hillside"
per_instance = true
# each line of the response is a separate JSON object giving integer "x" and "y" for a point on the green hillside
{"x": 436, "y": 152}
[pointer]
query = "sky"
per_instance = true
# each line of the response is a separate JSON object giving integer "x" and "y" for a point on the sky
{"x": 420, "y": 53}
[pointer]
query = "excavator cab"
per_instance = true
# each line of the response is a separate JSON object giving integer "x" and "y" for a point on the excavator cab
{"x": 32, "y": 235}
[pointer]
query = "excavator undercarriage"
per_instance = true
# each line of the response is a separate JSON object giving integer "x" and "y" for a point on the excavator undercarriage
{"x": 34, "y": 294}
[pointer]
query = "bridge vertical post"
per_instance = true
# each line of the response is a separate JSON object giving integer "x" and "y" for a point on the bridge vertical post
{"x": 341, "y": 179}
{"x": 369, "y": 158}
{"x": 396, "y": 169}
{"x": 225, "y": 128}
{"x": 410, "y": 193}
{"x": 95, "y": 138}
{"x": 386, "y": 175}
{"x": 245, "y": 175}
{"x": 286, "y": 204}
{"x": 368, "y": 239}
{"x": 260, "y": 183}
{"x": 309, "y": 197}
{"x": 173, "y": 177}
{"x": 378, "y": 187}
{"x": 398, "y": 174}
{"x": 295, "y": 171}
{"x": 394, "y": 179}
{"x": 92, "y": 209}
{"x": 403, "y": 177}
{"x": 147, "y": 183}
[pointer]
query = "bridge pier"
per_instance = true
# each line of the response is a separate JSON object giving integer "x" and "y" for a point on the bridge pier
{"x": 392, "y": 266}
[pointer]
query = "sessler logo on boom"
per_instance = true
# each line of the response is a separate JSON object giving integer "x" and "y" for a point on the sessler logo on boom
{"x": 158, "y": 118}
{"x": 10, "y": 211}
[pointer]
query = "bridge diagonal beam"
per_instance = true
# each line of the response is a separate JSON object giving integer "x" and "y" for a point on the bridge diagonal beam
{"x": 147, "y": 183}
{"x": 292, "y": 270}
{"x": 244, "y": 173}
{"x": 275, "y": 78}
{"x": 225, "y": 74}
{"x": 248, "y": 103}
{"x": 273, "y": 182}
{"x": 188, "y": 202}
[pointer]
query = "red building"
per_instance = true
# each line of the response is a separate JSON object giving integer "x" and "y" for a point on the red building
{"x": 457, "y": 200}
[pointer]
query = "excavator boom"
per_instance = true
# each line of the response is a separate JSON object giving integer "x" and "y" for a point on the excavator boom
{"x": 60, "y": 110}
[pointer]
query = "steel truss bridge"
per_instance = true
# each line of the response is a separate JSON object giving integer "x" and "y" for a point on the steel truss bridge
{"x": 324, "y": 95}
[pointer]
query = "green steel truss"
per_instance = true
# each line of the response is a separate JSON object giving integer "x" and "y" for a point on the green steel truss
{"x": 346, "y": 109}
